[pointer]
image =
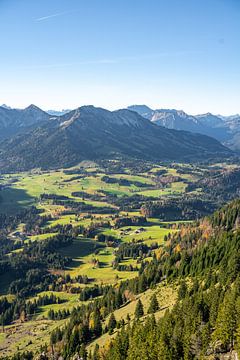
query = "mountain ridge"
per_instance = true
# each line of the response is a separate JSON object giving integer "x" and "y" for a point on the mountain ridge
{"x": 223, "y": 128}
{"x": 15, "y": 121}
{"x": 89, "y": 133}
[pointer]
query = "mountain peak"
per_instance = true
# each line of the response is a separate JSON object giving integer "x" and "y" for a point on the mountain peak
{"x": 142, "y": 110}
{"x": 90, "y": 133}
{"x": 33, "y": 107}
{"x": 91, "y": 109}
{"x": 206, "y": 114}
{"x": 89, "y": 114}
{"x": 206, "y": 124}
{"x": 5, "y": 107}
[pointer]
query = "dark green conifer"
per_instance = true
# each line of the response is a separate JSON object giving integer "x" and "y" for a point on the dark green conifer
{"x": 154, "y": 306}
{"x": 139, "y": 309}
{"x": 112, "y": 323}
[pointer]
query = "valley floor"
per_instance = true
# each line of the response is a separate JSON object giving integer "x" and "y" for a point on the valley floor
{"x": 104, "y": 207}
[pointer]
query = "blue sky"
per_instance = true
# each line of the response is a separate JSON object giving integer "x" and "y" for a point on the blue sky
{"x": 182, "y": 54}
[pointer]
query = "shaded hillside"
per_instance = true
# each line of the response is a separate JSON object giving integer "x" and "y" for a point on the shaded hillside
{"x": 223, "y": 186}
{"x": 15, "y": 121}
{"x": 94, "y": 133}
{"x": 221, "y": 128}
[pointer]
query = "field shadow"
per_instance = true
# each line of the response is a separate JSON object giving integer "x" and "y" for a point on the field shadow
{"x": 78, "y": 249}
{"x": 5, "y": 281}
{"x": 13, "y": 200}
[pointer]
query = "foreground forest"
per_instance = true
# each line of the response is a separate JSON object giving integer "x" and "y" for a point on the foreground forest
{"x": 120, "y": 260}
{"x": 120, "y": 223}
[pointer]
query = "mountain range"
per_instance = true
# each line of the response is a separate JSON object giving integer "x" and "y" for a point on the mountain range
{"x": 32, "y": 138}
{"x": 223, "y": 128}
{"x": 15, "y": 121}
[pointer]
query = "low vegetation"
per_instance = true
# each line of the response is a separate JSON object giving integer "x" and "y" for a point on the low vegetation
{"x": 92, "y": 253}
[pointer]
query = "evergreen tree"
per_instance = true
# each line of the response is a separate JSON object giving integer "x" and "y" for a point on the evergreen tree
{"x": 139, "y": 309}
{"x": 226, "y": 323}
{"x": 154, "y": 306}
{"x": 111, "y": 324}
{"x": 182, "y": 291}
{"x": 97, "y": 328}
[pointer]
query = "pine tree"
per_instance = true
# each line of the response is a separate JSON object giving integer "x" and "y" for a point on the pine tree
{"x": 182, "y": 290}
{"x": 139, "y": 309}
{"x": 74, "y": 341}
{"x": 142, "y": 284}
{"x": 226, "y": 323}
{"x": 111, "y": 324}
{"x": 97, "y": 328}
{"x": 154, "y": 306}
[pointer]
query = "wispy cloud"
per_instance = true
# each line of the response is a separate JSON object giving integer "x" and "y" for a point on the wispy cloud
{"x": 159, "y": 55}
{"x": 70, "y": 64}
{"x": 47, "y": 17}
{"x": 117, "y": 60}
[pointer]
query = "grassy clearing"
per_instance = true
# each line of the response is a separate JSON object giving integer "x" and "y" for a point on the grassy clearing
{"x": 41, "y": 237}
{"x": 176, "y": 188}
{"x": 83, "y": 254}
{"x": 70, "y": 301}
{"x": 34, "y": 333}
{"x": 149, "y": 234}
{"x": 166, "y": 296}
{"x": 25, "y": 188}
{"x": 137, "y": 178}
{"x": 30, "y": 336}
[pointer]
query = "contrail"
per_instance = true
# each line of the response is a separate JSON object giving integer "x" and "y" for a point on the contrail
{"x": 53, "y": 15}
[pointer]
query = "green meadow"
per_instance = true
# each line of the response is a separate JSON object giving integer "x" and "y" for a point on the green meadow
{"x": 88, "y": 256}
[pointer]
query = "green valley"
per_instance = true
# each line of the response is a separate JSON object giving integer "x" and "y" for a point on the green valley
{"x": 87, "y": 230}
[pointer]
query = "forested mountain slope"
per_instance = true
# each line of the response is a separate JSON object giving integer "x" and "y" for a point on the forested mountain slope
{"x": 94, "y": 133}
{"x": 203, "y": 258}
{"x": 16, "y": 121}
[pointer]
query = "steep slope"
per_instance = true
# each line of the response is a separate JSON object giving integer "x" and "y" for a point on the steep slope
{"x": 177, "y": 119}
{"x": 210, "y": 120}
{"x": 234, "y": 142}
{"x": 225, "y": 183}
{"x": 205, "y": 321}
{"x": 201, "y": 261}
{"x": 215, "y": 126}
{"x": 207, "y": 124}
{"x": 233, "y": 123}
{"x": 15, "y": 121}
{"x": 94, "y": 133}
{"x": 142, "y": 110}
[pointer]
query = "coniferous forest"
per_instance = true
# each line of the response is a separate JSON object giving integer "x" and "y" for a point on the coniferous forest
{"x": 120, "y": 180}
{"x": 201, "y": 259}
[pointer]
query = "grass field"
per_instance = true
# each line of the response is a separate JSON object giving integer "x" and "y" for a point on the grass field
{"x": 82, "y": 252}
{"x": 27, "y": 336}
{"x": 24, "y": 189}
